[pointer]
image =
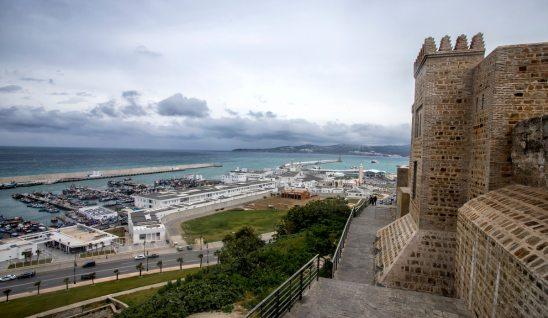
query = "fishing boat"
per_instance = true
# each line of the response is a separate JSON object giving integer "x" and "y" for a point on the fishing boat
{"x": 374, "y": 161}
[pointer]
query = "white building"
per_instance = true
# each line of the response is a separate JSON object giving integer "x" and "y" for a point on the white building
{"x": 195, "y": 196}
{"x": 145, "y": 227}
{"x": 97, "y": 213}
{"x": 72, "y": 239}
{"x": 243, "y": 175}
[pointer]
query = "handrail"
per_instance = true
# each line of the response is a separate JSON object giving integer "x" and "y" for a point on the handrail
{"x": 342, "y": 240}
{"x": 283, "y": 297}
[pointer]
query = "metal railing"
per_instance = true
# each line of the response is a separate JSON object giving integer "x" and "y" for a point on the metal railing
{"x": 356, "y": 210}
{"x": 283, "y": 298}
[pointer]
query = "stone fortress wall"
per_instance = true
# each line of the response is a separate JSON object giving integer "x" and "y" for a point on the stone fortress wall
{"x": 464, "y": 113}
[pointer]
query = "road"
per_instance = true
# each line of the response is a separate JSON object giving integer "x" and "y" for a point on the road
{"x": 54, "y": 278}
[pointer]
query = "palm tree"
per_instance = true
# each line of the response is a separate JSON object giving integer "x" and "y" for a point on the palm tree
{"x": 160, "y": 264}
{"x": 90, "y": 247}
{"x": 102, "y": 247}
{"x": 96, "y": 246}
{"x": 117, "y": 272}
{"x": 38, "y": 252}
{"x": 7, "y": 293}
{"x": 201, "y": 256}
{"x": 92, "y": 276}
{"x": 180, "y": 260}
{"x": 66, "y": 281}
{"x": 140, "y": 268}
{"x": 37, "y": 284}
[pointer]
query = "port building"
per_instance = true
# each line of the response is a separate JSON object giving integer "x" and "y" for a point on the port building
{"x": 71, "y": 239}
{"x": 190, "y": 197}
{"x": 145, "y": 227}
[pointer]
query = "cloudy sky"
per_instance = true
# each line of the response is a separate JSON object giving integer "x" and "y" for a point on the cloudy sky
{"x": 224, "y": 74}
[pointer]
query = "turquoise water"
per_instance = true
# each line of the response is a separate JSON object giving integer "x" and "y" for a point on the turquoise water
{"x": 34, "y": 160}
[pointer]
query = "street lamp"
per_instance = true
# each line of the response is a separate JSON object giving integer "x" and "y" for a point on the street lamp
{"x": 74, "y": 272}
{"x": 147, "y": 260}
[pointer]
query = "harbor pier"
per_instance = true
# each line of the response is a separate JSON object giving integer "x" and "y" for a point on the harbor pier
{"x": 21, "y": 181}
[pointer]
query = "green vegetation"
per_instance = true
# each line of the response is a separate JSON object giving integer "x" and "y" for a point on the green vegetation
{"x": 215, "y": 227}
{"x": 139, "y": 297}
{"x": 22, "y": 307}
{"x": 249, "y": 269}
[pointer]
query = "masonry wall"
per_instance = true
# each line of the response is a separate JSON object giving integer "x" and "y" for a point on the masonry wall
{"x": 529, "y": 152}
{"x": 521, "y": 92}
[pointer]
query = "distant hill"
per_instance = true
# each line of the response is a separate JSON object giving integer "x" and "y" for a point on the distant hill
{"x": 342, "y": 149}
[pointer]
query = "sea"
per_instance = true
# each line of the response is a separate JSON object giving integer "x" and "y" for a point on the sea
{"x": 16, "y": 161}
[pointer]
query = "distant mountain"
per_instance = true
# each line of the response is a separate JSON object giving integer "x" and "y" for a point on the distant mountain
{"x": 342, "y": 149}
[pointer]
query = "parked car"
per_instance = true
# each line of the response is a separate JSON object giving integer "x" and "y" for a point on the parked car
{"x": 154, "y": 255}
{"x": 139, "y": 257}
{"x": 89, "y": 264}
{"x": 7, "y": 278}
{"x": 26, "y": 275}
{"x": 180, "y": 248}
{"x": 87, "y": 276}
{"x": 189, "y": 247}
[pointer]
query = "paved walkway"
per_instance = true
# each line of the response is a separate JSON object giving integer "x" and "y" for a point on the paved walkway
{"x": 357, "y": 263}
{"x": 352, "y": 292}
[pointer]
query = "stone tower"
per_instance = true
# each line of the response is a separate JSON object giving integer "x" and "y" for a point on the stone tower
{"x": 464, "y": 112}
{"x": 423, "y": 256}
{"x": 440, "y": 140}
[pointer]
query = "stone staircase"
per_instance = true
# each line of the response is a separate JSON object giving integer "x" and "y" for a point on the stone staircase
{"x": 352, "y": 292}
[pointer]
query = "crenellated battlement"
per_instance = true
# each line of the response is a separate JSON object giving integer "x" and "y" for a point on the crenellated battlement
{"x": 429, "y": 48}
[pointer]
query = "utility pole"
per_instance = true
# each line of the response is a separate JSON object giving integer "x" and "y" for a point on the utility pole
{"x": 146, "y": 255}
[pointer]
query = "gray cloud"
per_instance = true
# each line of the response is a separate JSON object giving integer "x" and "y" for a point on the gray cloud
{"x": 133, "y": 108}
{"x": 10, "y": 88}
{"x": 179, "y": 105}
{"x": 106, "y": 109}
{"x": 143, "y": 50}
{"x": 59, "y": 93}
{"x": 84, "y": 94}
{"x": 108, "y": 122}
{"x": 38, "y": 80}
{"x": 231, "y": 112}
{"x": 260, "y": 115}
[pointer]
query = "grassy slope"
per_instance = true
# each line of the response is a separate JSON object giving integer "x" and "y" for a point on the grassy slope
{"x": 137, "y": 298}
{"x": 215, "y": 227}
{"x": 26, "y": 306}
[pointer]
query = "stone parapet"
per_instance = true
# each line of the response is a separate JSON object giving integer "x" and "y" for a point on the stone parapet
{"x": 501, "y": 263}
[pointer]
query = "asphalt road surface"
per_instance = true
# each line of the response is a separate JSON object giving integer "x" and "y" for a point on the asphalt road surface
{"x": 53, "y": 278}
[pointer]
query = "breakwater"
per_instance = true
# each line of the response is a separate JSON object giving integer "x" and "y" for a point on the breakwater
{"x": 21, "y": 181}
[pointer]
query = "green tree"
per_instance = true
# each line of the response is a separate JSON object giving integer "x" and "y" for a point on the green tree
{"x": 180, "y": 260}
{"x": 117, "y": 272}
{"x": 140, "y": 268}
{"x": 160, "y": 264}
{"x": 66, "y": 280}
{"x": 7, "y": 293}
{"x": 37, "y": 284}
{"x": 201, "y": 257}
